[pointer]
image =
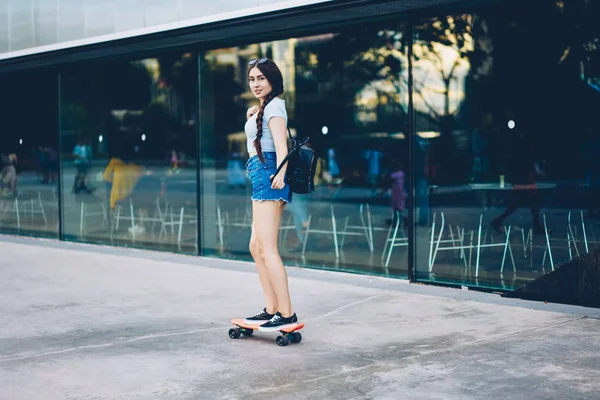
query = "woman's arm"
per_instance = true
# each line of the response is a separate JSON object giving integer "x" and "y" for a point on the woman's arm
{"x": 278, "y": 127}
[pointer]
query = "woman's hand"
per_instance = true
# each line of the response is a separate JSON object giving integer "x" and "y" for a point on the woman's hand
{"x": 278, "y": 182}
{"x": 251, "y": 111}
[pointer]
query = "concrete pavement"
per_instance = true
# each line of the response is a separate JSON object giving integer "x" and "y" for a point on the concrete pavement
{"x": 91, "y": 322}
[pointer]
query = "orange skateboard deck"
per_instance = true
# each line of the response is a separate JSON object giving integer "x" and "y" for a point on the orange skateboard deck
{"x": 288, "y": 335}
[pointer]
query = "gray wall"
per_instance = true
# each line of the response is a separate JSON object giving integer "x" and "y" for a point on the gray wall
{"x": 30, "y": 23}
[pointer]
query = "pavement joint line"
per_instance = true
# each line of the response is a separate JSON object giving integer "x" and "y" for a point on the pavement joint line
{"x": 337, "y": 310}
{"x": 167, "y": 334}
{"x": 116, "y": 343}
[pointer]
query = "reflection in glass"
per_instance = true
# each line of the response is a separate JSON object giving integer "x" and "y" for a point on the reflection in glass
{"x": 29, "y": 154}
{"x": 505, "y": 177}
{"x": 128, "y": 135}
{"x": 348, "y": 92}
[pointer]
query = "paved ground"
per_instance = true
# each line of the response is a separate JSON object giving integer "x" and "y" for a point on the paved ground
{"x": 84, "y": 322}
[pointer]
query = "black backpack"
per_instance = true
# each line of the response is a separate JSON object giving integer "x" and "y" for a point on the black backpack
{"x": 302, "y": 166}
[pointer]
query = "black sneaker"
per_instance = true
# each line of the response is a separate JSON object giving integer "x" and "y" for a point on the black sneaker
{"x": 278, "y": 323}
{"x": 259, "y": 318}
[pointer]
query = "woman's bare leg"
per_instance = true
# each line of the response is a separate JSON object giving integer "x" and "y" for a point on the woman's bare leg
{"x": 263, "y": 274}
{"x": 266, "y": 233}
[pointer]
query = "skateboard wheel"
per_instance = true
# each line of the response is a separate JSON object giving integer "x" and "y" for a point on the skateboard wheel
{"x": 234, "y": 333}
{"x": 282, "y": 340}
{"x": 247, "y": 332}
{"x": 297, "y": 337}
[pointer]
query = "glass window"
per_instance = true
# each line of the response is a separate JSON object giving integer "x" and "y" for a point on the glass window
{"x": 507, "y": 156}
{"x": 29, "y": 154}
{"x": 347, "y": 91}
{"x": 129, "y": 145}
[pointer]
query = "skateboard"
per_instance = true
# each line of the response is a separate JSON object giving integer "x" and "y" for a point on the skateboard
{"x": 287, "y": 335}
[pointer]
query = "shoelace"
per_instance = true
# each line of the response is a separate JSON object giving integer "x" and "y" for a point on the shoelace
{"x": 275, "y": 318}
{"x": 263, "y": 312}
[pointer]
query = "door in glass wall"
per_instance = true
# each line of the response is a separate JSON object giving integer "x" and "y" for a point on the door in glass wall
{"x": 128, "y": 152}
{"x": 347, "y": 91}
{"x": 29, "y": 154}
{"x": 507, "y": 152}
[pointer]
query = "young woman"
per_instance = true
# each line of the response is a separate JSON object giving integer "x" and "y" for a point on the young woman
{"x": 266, "y": 131}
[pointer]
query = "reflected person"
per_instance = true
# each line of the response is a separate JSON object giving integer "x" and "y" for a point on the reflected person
{"x": 9, "y": 174}
{"x": 82, "y": 154}
{"x": 521, "y": 173}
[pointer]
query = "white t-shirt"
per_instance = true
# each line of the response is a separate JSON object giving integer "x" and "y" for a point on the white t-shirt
{"x": 275, "y": 108}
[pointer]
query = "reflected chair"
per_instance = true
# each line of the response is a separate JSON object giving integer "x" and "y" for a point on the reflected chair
{"x": 572, "y": 238}
{"x": 169, "y": 216}
{"x": 123, "y": 211}
{"x": 456, "y": 241}
{"x": 358, "y": 225}
{"x": 91, "y": 206}
{"x": 140, "y": 205}
{"x": 396, "y": 237}
{"x": 573, "y": 235}
{"x": 287, "y": 224}
{"x": 229, "y": 215}
{"x": 172, "y": 214}
{"x": 350, "y": 226}
{"x": 448, "y": 240}
{"x": 236, "y": 216}
{"x": 24, "y": 204}
{"x": 10, "y": 205}
{"x": 31, "y": 204}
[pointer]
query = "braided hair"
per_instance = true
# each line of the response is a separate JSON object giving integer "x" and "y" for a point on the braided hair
{"x": 273, "y": 75}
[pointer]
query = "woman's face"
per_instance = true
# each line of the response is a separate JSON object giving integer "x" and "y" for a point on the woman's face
{"x": 259, "y": 84}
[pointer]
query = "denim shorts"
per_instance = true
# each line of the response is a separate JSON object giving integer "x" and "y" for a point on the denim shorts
{"x": 259, "y": 175}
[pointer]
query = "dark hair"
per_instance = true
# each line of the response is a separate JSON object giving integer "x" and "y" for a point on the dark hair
{"x": 273, "y": 75}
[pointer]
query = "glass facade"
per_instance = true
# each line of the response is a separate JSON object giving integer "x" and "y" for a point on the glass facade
{"x": 29, "y": 154}
{"x": 339, "y": 91}
{"x": 128, "y": 132}
{"x": 506, "y": 156}
{"x": 482, "y": 119}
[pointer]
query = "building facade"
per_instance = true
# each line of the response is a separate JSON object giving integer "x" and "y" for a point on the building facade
{"x": 458, "y": 141}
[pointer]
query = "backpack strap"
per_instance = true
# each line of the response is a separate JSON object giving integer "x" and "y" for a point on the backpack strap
{"x": 296, "y": 145}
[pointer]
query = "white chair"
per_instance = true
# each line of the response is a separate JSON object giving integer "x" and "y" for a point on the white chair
{"x": 120, "y": 214}
{"x": 363, "y": 229}
{"x": 91, "y": 207}
{"x": 457, "y": 243}
{"x": 8, "y": 206}
{"x": 393, "y": 238}
{"x": 31, "y": 204}
{"x": 573, "y": 235}
{"x": 25, "y": 204}
{"x": 170, "y": 217}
